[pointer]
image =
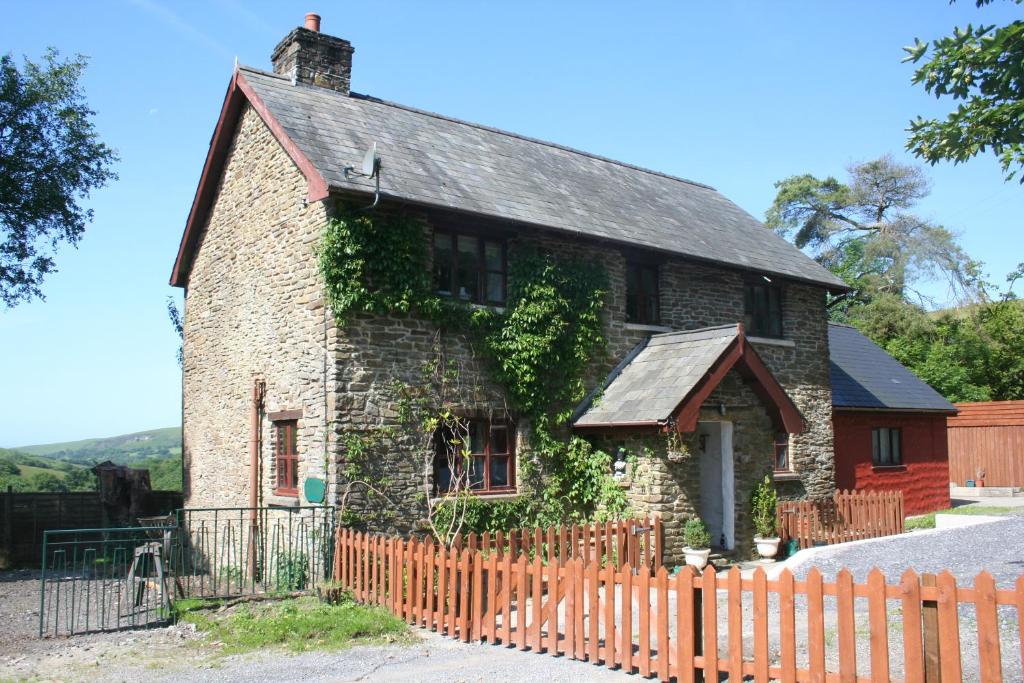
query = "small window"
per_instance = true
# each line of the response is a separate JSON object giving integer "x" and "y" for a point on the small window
{"x": 782, "y": 452}
{"x": 886, "y": 447}
{"x": 762, "y": 303}
{"x": 286, "y": 457}
{"x": 488, "y": 455}
{"x": 470, "y": 268}
{"x": 642, "y": 304}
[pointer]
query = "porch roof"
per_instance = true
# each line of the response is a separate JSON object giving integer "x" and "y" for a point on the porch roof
{"x": 665, "y": 380}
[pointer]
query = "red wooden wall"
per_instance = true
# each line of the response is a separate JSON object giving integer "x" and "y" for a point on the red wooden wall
{"x": 924, "y": 475}
{"x": 987, "y": 436}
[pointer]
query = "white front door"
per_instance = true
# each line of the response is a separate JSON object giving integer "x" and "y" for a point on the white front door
{"x": 717, "y": 491}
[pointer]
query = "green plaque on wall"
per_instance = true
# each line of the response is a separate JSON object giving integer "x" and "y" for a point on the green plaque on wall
{"x": 314, "y": 490}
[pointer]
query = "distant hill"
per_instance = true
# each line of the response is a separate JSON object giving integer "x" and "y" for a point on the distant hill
{"x": 60, "y": 466}
{"x": 123, "y": 450}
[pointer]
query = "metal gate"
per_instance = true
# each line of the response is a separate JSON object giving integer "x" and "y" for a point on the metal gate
{"x": 124, "y": 578}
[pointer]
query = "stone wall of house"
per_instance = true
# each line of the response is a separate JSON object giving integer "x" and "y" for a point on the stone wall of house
{"x": 254, "y": 308}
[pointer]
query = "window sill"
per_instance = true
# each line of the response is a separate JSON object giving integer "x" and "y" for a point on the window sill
{"x": 642, "y": 327}
{"x": 771, "y": 341}
{"x": 487, "y": 497}
{"x": 888, "y": 468}
{"x": 283, "y": 500}
{"x": 786, "y": 476}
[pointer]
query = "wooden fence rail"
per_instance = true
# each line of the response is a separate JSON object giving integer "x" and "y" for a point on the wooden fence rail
{"x": 847, "y": 516}
{"x": 685, "y": 626}
{"x": 637, "y": 542}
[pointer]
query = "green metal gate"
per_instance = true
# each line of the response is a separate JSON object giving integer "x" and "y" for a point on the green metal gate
{"x": 122, "y": 578}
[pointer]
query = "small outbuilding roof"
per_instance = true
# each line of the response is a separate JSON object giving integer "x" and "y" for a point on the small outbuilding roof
{"x": 865, "y": 376}
{"x": 668, "y": 378}
{"x": 436, "y": 161}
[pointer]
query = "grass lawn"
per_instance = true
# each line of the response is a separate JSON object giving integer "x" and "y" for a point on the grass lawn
{"x": 928, "y": 521}
{"x": 297, "y": 625}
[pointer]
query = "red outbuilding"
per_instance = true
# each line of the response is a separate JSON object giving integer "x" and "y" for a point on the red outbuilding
{"x": 889, "y": 426}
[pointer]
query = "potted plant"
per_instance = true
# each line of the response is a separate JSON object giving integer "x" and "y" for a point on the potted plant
{"x": 698, "y": 543}
{"x": 980, "y": 481}
{"x": 763, "y": 504}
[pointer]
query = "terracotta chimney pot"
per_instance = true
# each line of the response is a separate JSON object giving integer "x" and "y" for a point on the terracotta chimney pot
{"x": 313, "y": 22}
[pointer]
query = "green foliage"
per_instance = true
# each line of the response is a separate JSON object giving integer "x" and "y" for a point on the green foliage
{"x": 374, "y": 263}
{"x": 863, "y": 231}
{"x": 979, "y": 68}
{"x": 763, "y": 502}
{"x": 46, "y": 483}
{"x": 551, "y": 329}
{"x": 50, "y": 159}
{"x": 696, "y": 534}
{"x": 292, "y": 572}
{"x": 299, "y": 625}
{"x": 9, "y": 469}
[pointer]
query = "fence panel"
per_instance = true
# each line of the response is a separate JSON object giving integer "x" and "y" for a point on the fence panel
{"x": 697, "y": 626}
{"x": 225, "y": 552}
{"x": 847, "y": 516}
{"x": 104, "y": 580}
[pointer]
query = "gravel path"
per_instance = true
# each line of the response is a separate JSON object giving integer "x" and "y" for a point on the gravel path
{"x": 997, "y": 547}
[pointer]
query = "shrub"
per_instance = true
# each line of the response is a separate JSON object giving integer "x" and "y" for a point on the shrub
{"x": 695, "y": 534}
{"x": 762, "y": 507}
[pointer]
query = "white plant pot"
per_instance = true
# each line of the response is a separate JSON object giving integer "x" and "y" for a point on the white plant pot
{"x": 767, "y": 548}
{"x": 697, "y": 557}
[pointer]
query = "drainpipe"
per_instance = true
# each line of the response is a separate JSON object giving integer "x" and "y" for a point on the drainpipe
{"x": 258, "y": 388}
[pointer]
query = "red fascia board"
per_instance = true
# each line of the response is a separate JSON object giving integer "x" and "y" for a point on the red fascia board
{"x": 238, "y": 92}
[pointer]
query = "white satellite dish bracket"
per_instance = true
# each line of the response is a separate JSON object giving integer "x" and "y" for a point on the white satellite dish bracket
{"x": 370, "y": 168}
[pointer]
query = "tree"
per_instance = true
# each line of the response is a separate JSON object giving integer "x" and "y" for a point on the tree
{"x": 46, "y": 482}
{"x": 50, "y": 159}
{"x": 179, "y": 328}
{"x": 979, "y": 67}
{"x": 865, "y": 232}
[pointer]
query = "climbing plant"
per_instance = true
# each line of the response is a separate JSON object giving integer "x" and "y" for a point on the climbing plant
{"x": 537, "y": 348}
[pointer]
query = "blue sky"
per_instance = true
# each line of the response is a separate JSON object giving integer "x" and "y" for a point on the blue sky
{"x": 733, "y": 94}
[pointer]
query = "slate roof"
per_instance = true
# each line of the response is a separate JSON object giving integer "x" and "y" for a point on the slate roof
{"x": 438, "y": 161}
{"x": 652, "y": 383}
{"x": 865, "y": 376}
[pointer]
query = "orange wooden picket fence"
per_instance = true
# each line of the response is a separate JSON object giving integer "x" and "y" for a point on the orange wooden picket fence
{"x": 679, "y": 627}
{"x": 637, "y": 542}
{"x": 846, "y": 516}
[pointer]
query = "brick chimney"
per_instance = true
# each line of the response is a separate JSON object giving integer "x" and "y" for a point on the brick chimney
{"x": 308, "y": 56}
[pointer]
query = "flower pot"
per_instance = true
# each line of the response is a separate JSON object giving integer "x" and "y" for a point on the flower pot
{"x": 697, "y": 557}
{"x": 767, "y": 548}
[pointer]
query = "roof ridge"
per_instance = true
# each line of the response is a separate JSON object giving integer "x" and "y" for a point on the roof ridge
{"x": 491, "y": 129}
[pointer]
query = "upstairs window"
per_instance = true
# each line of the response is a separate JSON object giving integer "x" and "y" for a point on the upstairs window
{"x": 885, "y": 447}
{"x": 782, "y": 452}
{"x": 470, "y": 268}
{"x": 286, "y": 457}
{"x": 642, "y": 305}
{"x": 762, "y": 303}
{"x": 489, "y": 457}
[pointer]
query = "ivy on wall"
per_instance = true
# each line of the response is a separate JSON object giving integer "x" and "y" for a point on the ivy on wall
{"x": 538, "y": 348}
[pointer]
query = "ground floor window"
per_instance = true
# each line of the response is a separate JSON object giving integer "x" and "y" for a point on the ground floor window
{"x": 885, "y": 446}
{"x": 782, "y": 452}
{"x": 475, "y": 454}
{"x": 286, "y": 457}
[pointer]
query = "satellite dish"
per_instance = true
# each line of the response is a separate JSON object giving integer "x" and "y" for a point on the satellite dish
{"x": 371, "y": 161}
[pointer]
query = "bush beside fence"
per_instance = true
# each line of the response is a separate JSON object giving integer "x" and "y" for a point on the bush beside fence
{"x": 684, "y": 625}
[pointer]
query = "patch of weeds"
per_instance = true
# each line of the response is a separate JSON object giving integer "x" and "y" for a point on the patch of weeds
{"x": 297, "y": 625}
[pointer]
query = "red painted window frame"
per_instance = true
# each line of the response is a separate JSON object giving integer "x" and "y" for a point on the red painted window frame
{"x": 510, "y": 439}
{"x": 782, "y": 443}
{"x": 640, "y": 294}
{"x": 286, "y": 458}
{"x": 482, "y": 270}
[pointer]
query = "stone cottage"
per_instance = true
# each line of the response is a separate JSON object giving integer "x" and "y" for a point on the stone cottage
{"x": 715, "y": 370}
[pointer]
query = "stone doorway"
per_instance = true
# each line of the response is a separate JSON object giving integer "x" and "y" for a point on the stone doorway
{"x": 717, "y": 482}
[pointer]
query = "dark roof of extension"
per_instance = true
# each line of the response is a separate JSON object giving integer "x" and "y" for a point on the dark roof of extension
{"x": 865, "y": 376}
{"x": 436, "y": 161}
{"x": 669, "y": 376}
